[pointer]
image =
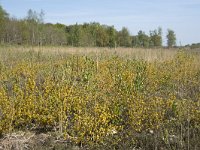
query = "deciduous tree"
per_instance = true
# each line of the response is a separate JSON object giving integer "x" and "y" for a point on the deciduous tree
{"x": 171, "y": 38}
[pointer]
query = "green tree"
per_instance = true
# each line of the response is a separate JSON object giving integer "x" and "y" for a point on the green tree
{"x": 35, "y": 17}
{"x": 12, "y": 31}
{"x": 24, "y": 28}
{"x": 3, "y": 19}
{"x": 124, "y": 38}
{"x": 156, "y": 38}
{"x": 171, "y": 38}
{"x": 74, "y": 35}
{"x": 102, "y": 38}
{"x": 34, "y": 21}
{"x": 112, "y": 36}
{"x": 143, "y": 39}
{"x": 135, "y": 41}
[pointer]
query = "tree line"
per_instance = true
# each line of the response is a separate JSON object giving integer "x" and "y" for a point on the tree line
{"x": 32, "y": 30}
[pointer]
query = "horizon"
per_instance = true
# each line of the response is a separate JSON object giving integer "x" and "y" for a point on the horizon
{"x": 180, "y": 16}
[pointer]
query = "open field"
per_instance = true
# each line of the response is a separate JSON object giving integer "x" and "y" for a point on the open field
{"x": 101, "y": 98}
{"x": 133, "y": 53}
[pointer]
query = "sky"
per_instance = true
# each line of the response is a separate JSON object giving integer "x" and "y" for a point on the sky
{"x": 182, "y": 16}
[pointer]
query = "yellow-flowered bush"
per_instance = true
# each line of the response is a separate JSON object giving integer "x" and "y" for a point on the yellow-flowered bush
{"x": 88, "y": 99}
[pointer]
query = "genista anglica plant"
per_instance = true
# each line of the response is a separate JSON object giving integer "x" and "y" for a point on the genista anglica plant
{"x": 110, "y": 102}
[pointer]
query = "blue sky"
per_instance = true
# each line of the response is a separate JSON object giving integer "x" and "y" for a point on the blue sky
{"x": 183, "y": 16}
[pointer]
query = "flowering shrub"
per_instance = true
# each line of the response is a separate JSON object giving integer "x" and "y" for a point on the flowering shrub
{"x": 88, "y": 99}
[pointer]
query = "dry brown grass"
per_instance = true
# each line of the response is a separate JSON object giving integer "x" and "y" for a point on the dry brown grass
{"x": 158, "y": 54}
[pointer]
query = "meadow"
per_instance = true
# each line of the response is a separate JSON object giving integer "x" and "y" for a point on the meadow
{"x": 102, "y": 98}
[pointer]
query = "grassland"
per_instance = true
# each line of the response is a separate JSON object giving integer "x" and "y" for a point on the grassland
{"x": 101, "y": 98}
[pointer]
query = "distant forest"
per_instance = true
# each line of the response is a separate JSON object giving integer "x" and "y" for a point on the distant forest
{"x": 32, "y": 30}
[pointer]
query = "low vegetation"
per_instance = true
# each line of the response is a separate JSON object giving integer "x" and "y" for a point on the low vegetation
{"x": 102, "y": 99}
